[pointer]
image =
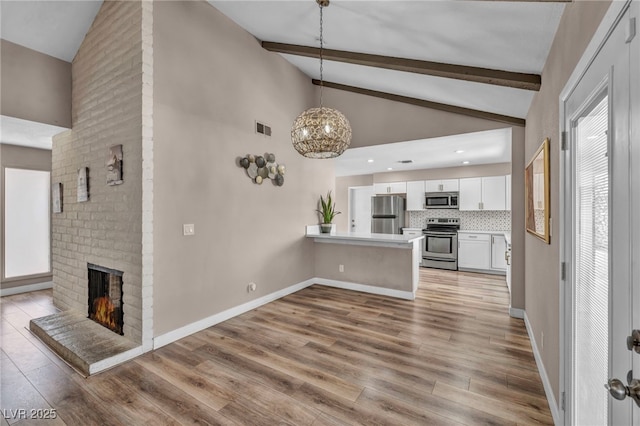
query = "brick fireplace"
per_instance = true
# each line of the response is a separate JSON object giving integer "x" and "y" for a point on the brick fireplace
{"x": 107, "y": 239}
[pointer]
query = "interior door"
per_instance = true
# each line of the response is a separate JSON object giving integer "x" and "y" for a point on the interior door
{"x": 599, "y": 205}
{"x": 634, "y": 198}
{"x": 360, "y": 208}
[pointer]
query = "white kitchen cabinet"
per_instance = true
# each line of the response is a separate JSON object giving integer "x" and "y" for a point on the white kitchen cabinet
{"x": 381, "y": 188}
{"x": 493, "y": 193}
{"x": 398, "y": 187}
{"x": 414, "y": 232}
{"x": 474, "y": 251}
{"x": 390, "y": 188}
{"x": 498, "y": 252}
{"x": 470, "y": 195}
{"x": 485, "y": 193}
{"x": 442, "y": 185}
{"x": 415, "y": 195}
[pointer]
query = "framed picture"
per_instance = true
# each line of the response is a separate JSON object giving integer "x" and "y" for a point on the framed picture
{"x": 83, "y": 184}
{"x": 56, "y": 197}
{"x": 114, "y": 165}
{"x": 536, "y": 180}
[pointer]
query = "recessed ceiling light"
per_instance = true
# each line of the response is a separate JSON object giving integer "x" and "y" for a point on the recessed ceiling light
{"x": 389, "y": 168}
{"x": 465, "y": 162}
{"x": 459, "y": 151}
{"x": 370, "y": 160}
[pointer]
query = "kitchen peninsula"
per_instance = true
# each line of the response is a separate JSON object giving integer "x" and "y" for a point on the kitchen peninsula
{"x": 386, "y": 264}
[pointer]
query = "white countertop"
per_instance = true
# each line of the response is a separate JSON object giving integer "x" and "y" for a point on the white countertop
{"x": 366, "y": 238}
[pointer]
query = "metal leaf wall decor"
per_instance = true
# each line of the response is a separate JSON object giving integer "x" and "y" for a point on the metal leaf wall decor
{"x": 259, "y": 168}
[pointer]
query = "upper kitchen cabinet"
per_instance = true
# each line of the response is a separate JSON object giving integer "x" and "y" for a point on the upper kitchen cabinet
{"x": 390, "y": 188}
{"x": 486, "y": 193}
{"x": 415, "y": 195}
{"x": 444, "y": 185}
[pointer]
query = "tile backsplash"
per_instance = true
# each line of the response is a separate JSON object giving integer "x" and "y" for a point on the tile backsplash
{"x": 469, "y": 220}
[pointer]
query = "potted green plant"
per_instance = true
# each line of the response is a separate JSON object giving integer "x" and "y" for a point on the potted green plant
{"x": 327, "y": 212}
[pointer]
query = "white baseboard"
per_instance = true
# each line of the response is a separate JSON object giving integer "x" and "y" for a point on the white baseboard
{"x": 179, "y": 333}
{"x": 26, "y": 288}
{"x": 187, "y": 330}
{"x": 516, "y": 313}
{"x": 553, "y": 405}
{"x": 408, "y": 295}
{"x": 105, "y": 364}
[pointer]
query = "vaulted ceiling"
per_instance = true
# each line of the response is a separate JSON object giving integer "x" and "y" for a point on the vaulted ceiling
{"x": 478, "y": 58}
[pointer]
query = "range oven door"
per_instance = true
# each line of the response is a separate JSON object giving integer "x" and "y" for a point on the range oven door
{"x": 440, "y": 245}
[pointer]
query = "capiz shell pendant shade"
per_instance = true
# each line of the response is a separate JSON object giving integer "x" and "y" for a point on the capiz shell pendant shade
{"x": 321, "y": 133}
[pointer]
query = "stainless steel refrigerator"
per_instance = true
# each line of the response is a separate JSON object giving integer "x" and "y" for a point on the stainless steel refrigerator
{"x": 387, "y": 214}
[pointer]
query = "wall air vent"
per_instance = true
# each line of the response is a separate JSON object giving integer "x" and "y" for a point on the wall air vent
{"x": 263, "y": 129}
{"x": 405, "y": 161}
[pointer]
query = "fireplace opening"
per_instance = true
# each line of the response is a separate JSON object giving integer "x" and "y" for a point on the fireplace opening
{"x": 105, "y": 297}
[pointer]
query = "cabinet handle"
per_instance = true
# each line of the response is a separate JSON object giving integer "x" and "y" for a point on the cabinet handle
{"x": 473, "y": 236}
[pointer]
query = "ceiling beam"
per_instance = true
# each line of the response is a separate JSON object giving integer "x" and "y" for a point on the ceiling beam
{"x": 426, "y": 104}
{"x": 460, "y": 72}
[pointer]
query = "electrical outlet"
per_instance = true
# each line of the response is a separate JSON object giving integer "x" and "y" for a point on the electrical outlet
{"x": 251, "y": 287}
{"x": 340, "y": 268}
{"x": 188, "y": 229}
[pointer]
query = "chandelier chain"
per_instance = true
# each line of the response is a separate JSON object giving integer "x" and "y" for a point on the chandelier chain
{"x": 321, "y": 132}
{"x": 321, "y": 64}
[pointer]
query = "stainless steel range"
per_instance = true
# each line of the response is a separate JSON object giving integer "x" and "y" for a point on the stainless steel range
{"x": 440, "y": 249}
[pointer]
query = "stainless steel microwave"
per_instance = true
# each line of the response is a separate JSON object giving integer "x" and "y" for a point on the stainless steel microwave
{"x": 441, "y": 200}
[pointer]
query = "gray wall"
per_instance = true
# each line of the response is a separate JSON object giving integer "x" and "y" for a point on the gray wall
{"x": 378, "y": 121}
{"x": 20, "y": 157}
{"x": 35, "y": 86}
{"x": 212, "y": 80}
{"x": 385, "y": 267}
{"x": 542, "y": 283}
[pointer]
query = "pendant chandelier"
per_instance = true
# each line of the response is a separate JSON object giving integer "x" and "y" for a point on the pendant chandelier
{"x": 321, "y": 132}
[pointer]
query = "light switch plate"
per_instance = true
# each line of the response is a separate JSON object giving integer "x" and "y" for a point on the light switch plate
{"x": 188, "y": 229}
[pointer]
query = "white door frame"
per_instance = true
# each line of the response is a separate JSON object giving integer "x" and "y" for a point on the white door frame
{"x": 607, "y": 25}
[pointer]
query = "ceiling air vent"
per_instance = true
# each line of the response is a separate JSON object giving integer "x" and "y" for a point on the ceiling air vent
{"x": 263, "y": 129}
{"x": 405, "y": 161}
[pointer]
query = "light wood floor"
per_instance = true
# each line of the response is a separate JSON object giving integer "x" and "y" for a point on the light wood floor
{"x": 321, "y": 356}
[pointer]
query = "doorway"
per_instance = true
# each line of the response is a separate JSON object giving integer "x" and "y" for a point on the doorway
{"x": 360, "y": 208}
{"x": 600, "y": 237}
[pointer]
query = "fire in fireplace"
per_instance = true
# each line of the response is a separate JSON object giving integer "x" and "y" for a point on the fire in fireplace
{"x": 105, "y": 297}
